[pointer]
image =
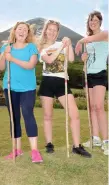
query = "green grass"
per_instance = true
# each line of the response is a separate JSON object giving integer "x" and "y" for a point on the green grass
{"x": 56, "y": 169}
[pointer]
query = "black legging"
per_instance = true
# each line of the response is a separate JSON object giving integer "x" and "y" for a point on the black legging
{"x": 26, "y": 101}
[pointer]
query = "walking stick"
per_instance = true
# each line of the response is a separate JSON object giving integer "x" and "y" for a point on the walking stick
{"x": 66, "y": 101}
{"x": 11, "y": 111}
{"x": 87, "y": 98}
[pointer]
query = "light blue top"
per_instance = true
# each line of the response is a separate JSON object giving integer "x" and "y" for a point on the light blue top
{"x": 21, "y": 79}
{"x": 97, "y": 56}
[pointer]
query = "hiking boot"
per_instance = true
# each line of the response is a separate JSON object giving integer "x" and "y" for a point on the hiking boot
{"x": 81, "y": 151}
{"x": 95, "y": 142}
{"x": 36, "y": 156}
{"x": 49, "y": 148}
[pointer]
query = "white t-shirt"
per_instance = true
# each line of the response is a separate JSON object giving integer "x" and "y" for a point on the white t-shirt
{"x": 57, "y": 68}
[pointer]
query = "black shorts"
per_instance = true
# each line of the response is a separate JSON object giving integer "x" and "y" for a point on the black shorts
{"x": 96, "y": 79}
{"x": 53, "y": 87}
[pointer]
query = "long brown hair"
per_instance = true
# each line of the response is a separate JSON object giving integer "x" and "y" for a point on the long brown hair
{"x": 30, "y": 37}
{"x": 90, "y": 17}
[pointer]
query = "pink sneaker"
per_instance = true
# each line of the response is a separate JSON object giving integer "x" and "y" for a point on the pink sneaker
{"x": 17, "y": 153}
{"x": 36, "y": 156}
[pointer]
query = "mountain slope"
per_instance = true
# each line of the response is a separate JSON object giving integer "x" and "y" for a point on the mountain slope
{"x": 39, "y": 22}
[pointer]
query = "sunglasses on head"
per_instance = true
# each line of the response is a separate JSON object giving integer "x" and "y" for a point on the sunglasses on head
{"x": 54, "y": 22}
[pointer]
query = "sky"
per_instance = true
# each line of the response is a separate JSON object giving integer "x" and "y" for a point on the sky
{"x": 71, "y": 13}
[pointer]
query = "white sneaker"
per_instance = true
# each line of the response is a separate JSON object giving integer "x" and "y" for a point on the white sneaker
{"x": 105, "y": 147}
{"x": 95, "y": 142}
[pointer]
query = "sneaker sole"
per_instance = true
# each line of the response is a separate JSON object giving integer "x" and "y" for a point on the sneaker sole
{"x": 19, "y": 155}
{"x": 50, "y": 152}
{"x": 106, "y": 153}
{"x": 37, "y": 161}
{"x": 15, "y": 157}
{"x": 82, "y": 155}
{"x": 97, "y": 145}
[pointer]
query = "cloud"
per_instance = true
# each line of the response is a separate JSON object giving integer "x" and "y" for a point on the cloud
{"x": 71, "y": 13}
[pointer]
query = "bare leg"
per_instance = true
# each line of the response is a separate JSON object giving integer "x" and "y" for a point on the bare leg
{"x": 94, "y": 121}
{"x": 47, "y": 105}
{"x": 74, "y": 118}
{"x": 33, "y": 143}
{"x": 18, "y": 143}
{"x": 99, "y": 97}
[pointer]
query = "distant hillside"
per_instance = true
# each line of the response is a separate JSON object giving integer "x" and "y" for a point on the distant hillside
{"x": 64, "y": 31}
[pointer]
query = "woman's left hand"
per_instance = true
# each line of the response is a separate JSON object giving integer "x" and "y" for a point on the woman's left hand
{"x": 66, "y": 41}
{"x": 84, "y": 57}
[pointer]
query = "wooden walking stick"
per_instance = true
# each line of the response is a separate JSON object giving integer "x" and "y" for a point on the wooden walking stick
{"x": 11, "y": 111}
{"x": 87, "y": 98}
{"x": 10, "y": 106}
{"x": 66, "y": 100}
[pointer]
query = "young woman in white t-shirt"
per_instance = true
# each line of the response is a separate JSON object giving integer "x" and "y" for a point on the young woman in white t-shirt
{"x": 53, "y": 84}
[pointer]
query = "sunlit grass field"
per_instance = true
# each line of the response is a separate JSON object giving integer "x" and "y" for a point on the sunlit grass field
{"x": 56, "y": 168}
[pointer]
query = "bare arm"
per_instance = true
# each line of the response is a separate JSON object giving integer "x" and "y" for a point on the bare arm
{"x": 2, "y": 62}
{"x": 67, "y": 41}
{"x": 3, "y": 58}
{"x": 51, "y": 58}
{"x": 70, "y": 53}
{"x": 24, "y": 64}
{"x": 102, "y": 36}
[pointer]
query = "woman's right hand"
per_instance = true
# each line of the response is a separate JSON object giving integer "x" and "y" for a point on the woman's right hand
{"x": 84, "y": 57}
{"x": 8, "y": 49}
{"x": 78, "y": 48}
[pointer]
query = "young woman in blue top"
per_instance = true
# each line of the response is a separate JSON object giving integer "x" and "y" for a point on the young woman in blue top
{"x": 23, "y": 57}
{"x": 96, "y": 56}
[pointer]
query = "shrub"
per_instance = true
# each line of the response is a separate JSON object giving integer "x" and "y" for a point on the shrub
{"x": 81, "y": 103}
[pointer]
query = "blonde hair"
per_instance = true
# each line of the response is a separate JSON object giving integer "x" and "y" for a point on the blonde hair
{"x": 30, "y": 37}
{"x": 42, "y": 39}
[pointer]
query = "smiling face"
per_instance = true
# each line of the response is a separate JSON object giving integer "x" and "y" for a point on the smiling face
{"x": 21, "y": 32}
{"x": 51, "y": 32}
{"x": 94, "y": 23}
